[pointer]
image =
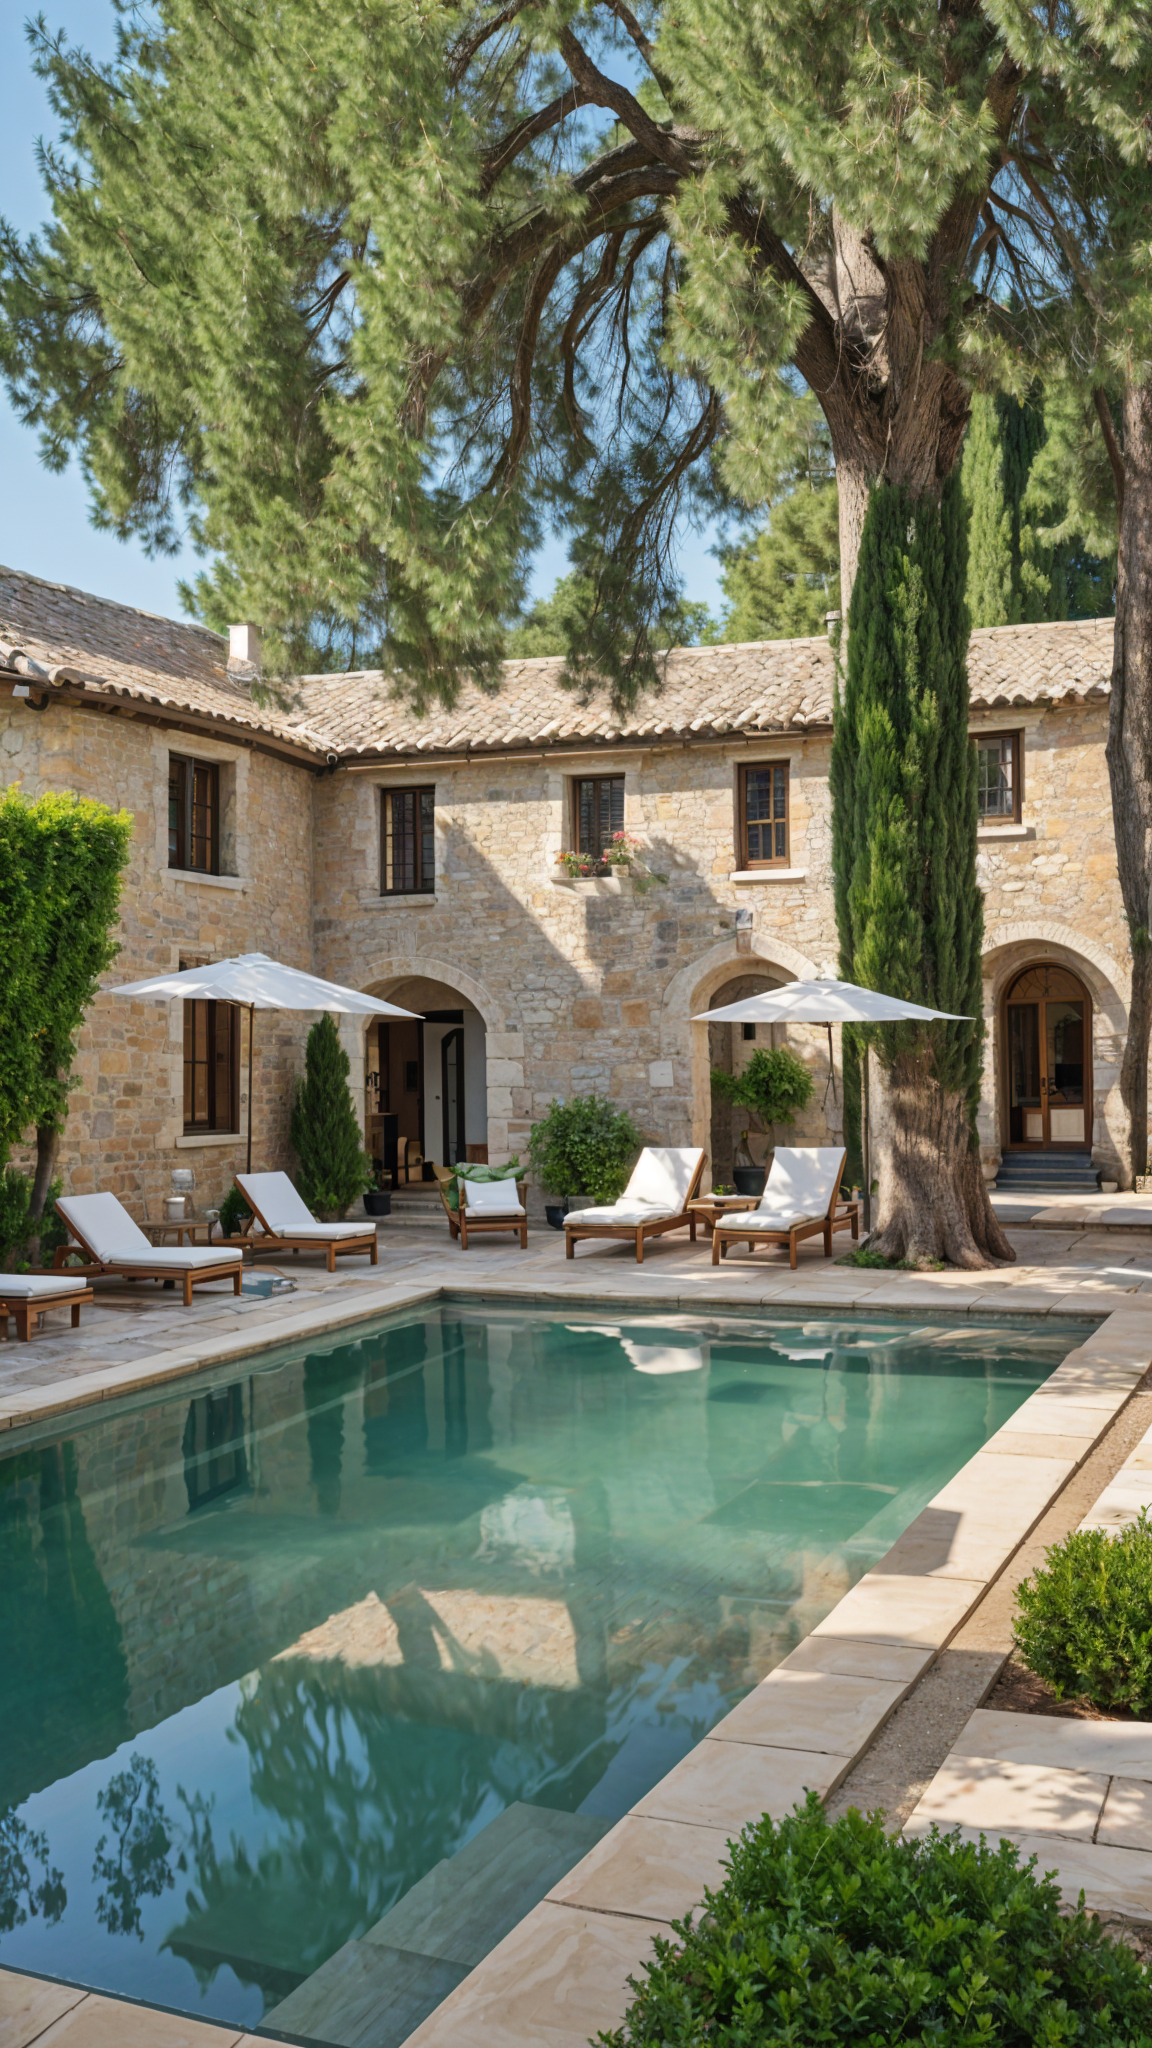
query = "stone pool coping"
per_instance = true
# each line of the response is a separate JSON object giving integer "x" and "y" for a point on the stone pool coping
{"x": 561, "y": 1974}
{"x": 1076, "y": 1794}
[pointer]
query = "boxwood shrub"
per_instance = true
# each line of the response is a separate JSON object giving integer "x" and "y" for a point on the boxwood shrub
{"x": 1085, "y": 1619}
{"x": 829, "y": 1933}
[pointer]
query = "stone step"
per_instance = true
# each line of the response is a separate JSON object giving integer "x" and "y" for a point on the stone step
{"x": 376, "y": 1990}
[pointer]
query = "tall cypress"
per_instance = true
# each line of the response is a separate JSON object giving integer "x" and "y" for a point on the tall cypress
{"x": 334, "y": 1167}
{"x": 908, "y": 911}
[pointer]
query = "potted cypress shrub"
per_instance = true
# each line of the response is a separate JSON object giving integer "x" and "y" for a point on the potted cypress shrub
{"x": 774, "y": 1086}
{"x": 334, "y": 1167}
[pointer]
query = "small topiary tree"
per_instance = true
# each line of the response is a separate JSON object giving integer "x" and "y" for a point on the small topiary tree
{"x": 774, "y": 1086}
{"x": 833, "y": 1932}
{"x": 584, "y": 1147}
{"x": 1085, "y": 1619}
{"x": 334, "y": 1167}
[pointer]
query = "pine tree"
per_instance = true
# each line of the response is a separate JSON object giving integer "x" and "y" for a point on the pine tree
{"x": 908, "y": 911}
{"x": 334, "y": 1167}
{"x": 782, "y": 582}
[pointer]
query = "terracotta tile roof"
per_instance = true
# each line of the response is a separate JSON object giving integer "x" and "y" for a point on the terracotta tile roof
{"x": 770, "y": 686}
{"x": 56, "y": 635}
{"x": 767, "y": 686}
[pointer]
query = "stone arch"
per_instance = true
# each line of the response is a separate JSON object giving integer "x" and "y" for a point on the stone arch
{"x": 686, "y": 1044}
{"x": 1007, "y": 949}
{"x": 503, "y": 1052}
{"x": 389, "y": 973}
{"x": 689, "y": 990}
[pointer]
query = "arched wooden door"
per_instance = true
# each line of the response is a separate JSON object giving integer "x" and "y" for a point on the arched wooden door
{"x": 1048, "y": 1062}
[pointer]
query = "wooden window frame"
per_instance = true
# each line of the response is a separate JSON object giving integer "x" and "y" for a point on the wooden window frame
{"x": 186, "y": 779}
{"x": 422, "y": 868}
{"x": 576, "y": 784}
{"x": 229, "y": 1014}
{"x": 987, "y": 821}
{"x": 744, "y": 859}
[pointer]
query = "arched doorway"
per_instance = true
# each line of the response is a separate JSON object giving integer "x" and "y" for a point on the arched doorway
{"x": 1047, "y": 1061}
{"x": 430, "y": 1075}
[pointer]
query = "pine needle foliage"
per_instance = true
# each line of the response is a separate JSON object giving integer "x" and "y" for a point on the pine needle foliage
{"x": 1027, "y": 560}
{"x": 782, "y": 582}
{"x": 834, "y": 1933}
{"x": 903, "y": 776}
{"x": 334, "y": 1167}
{"x": 366, "y": 296}
{"x": 1085, "y": 1618}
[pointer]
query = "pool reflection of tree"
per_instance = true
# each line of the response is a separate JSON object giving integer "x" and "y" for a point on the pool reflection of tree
{"x": 63, "y": 1675}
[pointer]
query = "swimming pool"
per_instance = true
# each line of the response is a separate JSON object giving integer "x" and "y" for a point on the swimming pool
{"x": 283, "y": 1641}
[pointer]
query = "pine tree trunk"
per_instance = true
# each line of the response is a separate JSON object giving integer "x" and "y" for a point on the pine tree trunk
{"x": 1130, "y": 753}
{"x": 933, "y": 1204}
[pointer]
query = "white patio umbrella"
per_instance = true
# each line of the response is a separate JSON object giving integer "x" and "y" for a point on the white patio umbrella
{"x": 826, "y": 1003}
{"x": 257, "y": 983}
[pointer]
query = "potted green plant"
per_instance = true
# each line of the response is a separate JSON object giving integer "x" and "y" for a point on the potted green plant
{"x": 378, "y": 1198}
{"x": 621, "y": 851}
{"x": 582, "y": 1150}
{"x": 577, "y": 866}
{"x": 774, "y": 1086}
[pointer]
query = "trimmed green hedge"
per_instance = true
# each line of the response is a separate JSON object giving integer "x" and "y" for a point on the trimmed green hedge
{"x": 828, "y": 1933}
{"x": 1085, "y": 1619}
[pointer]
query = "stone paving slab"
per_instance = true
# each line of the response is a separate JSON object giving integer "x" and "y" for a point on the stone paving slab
{"x": 652, "y": 1868}
{"x": 558, "y": 1979}
{"x": 38, "y": 2014}
{"x": 993, "y": 1794}
{"x": 561, "y": 1974}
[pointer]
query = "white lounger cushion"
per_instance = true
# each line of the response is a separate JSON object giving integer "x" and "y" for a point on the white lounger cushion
{"x": 116, "y": 1241}
{"x": 771, "y": 1219}
{"x": 287, "y": 1213}
{"x": 658, "y": 1189}
{"x": 29, "y": 1286}
{"x": 105, "y": 1224}
{"x": 184, "y": 1258}
{"x": 662, "y": 1177}
{"x": 802, "y": 1186}
{"x": 626, "y": 1213}
{"x": 492, "y": 1198}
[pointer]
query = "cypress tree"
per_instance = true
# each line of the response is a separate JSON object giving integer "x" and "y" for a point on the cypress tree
{"x": 989, "y": 524}
{"x": 909, "y": 914}
{"x": 334, "y": 1167}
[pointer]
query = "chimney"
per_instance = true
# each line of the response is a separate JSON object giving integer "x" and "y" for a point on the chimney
{"x": 244, "y": 653}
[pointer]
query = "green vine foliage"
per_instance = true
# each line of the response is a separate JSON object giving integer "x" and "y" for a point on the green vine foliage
{"x": 334, "y": 1167}
{"x": 584, "y": 1146}
{"x": 775, "y": 1085}
{"x": 1085, "y": 1619}
{"x": 62, "y": 858}
{"x": 833, "y": 1933}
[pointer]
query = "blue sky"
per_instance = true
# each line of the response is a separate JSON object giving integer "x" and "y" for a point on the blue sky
{"x": 44, "y": 526}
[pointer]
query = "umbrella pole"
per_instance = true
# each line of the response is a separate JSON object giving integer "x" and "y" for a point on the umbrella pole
{"x": 866, "y": 1148}
{"x": 251, "y": 1034}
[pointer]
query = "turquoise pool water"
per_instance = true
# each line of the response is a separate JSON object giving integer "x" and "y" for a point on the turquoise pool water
{"x": 276, "y": 1646}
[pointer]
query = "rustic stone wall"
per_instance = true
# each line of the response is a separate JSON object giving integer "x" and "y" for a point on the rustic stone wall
{"x": 125, "y": 1124}
{"x": 581, "y": 985}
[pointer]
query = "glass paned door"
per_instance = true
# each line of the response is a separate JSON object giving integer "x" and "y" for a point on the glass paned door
{"x": 452, "y": 1089}
{"x": 1025, "y": 1092}
{"x": 1047, "y": 1048}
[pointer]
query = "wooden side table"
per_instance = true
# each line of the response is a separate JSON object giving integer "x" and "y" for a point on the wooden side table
{"x": 710, "y": 1208}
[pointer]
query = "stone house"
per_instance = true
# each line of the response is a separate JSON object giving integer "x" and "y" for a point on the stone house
{"x": 419, "y": 859}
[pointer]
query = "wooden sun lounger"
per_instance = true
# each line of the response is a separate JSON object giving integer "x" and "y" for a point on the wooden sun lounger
{"x": 23, "y": 1307}
{"x": 471, "y": 1222}
{"x": 636, "y": 1231}
{"x": 837, "y": 1216}
{"x": 145, "y": 1263}
{"x": 300, "y": 1236}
